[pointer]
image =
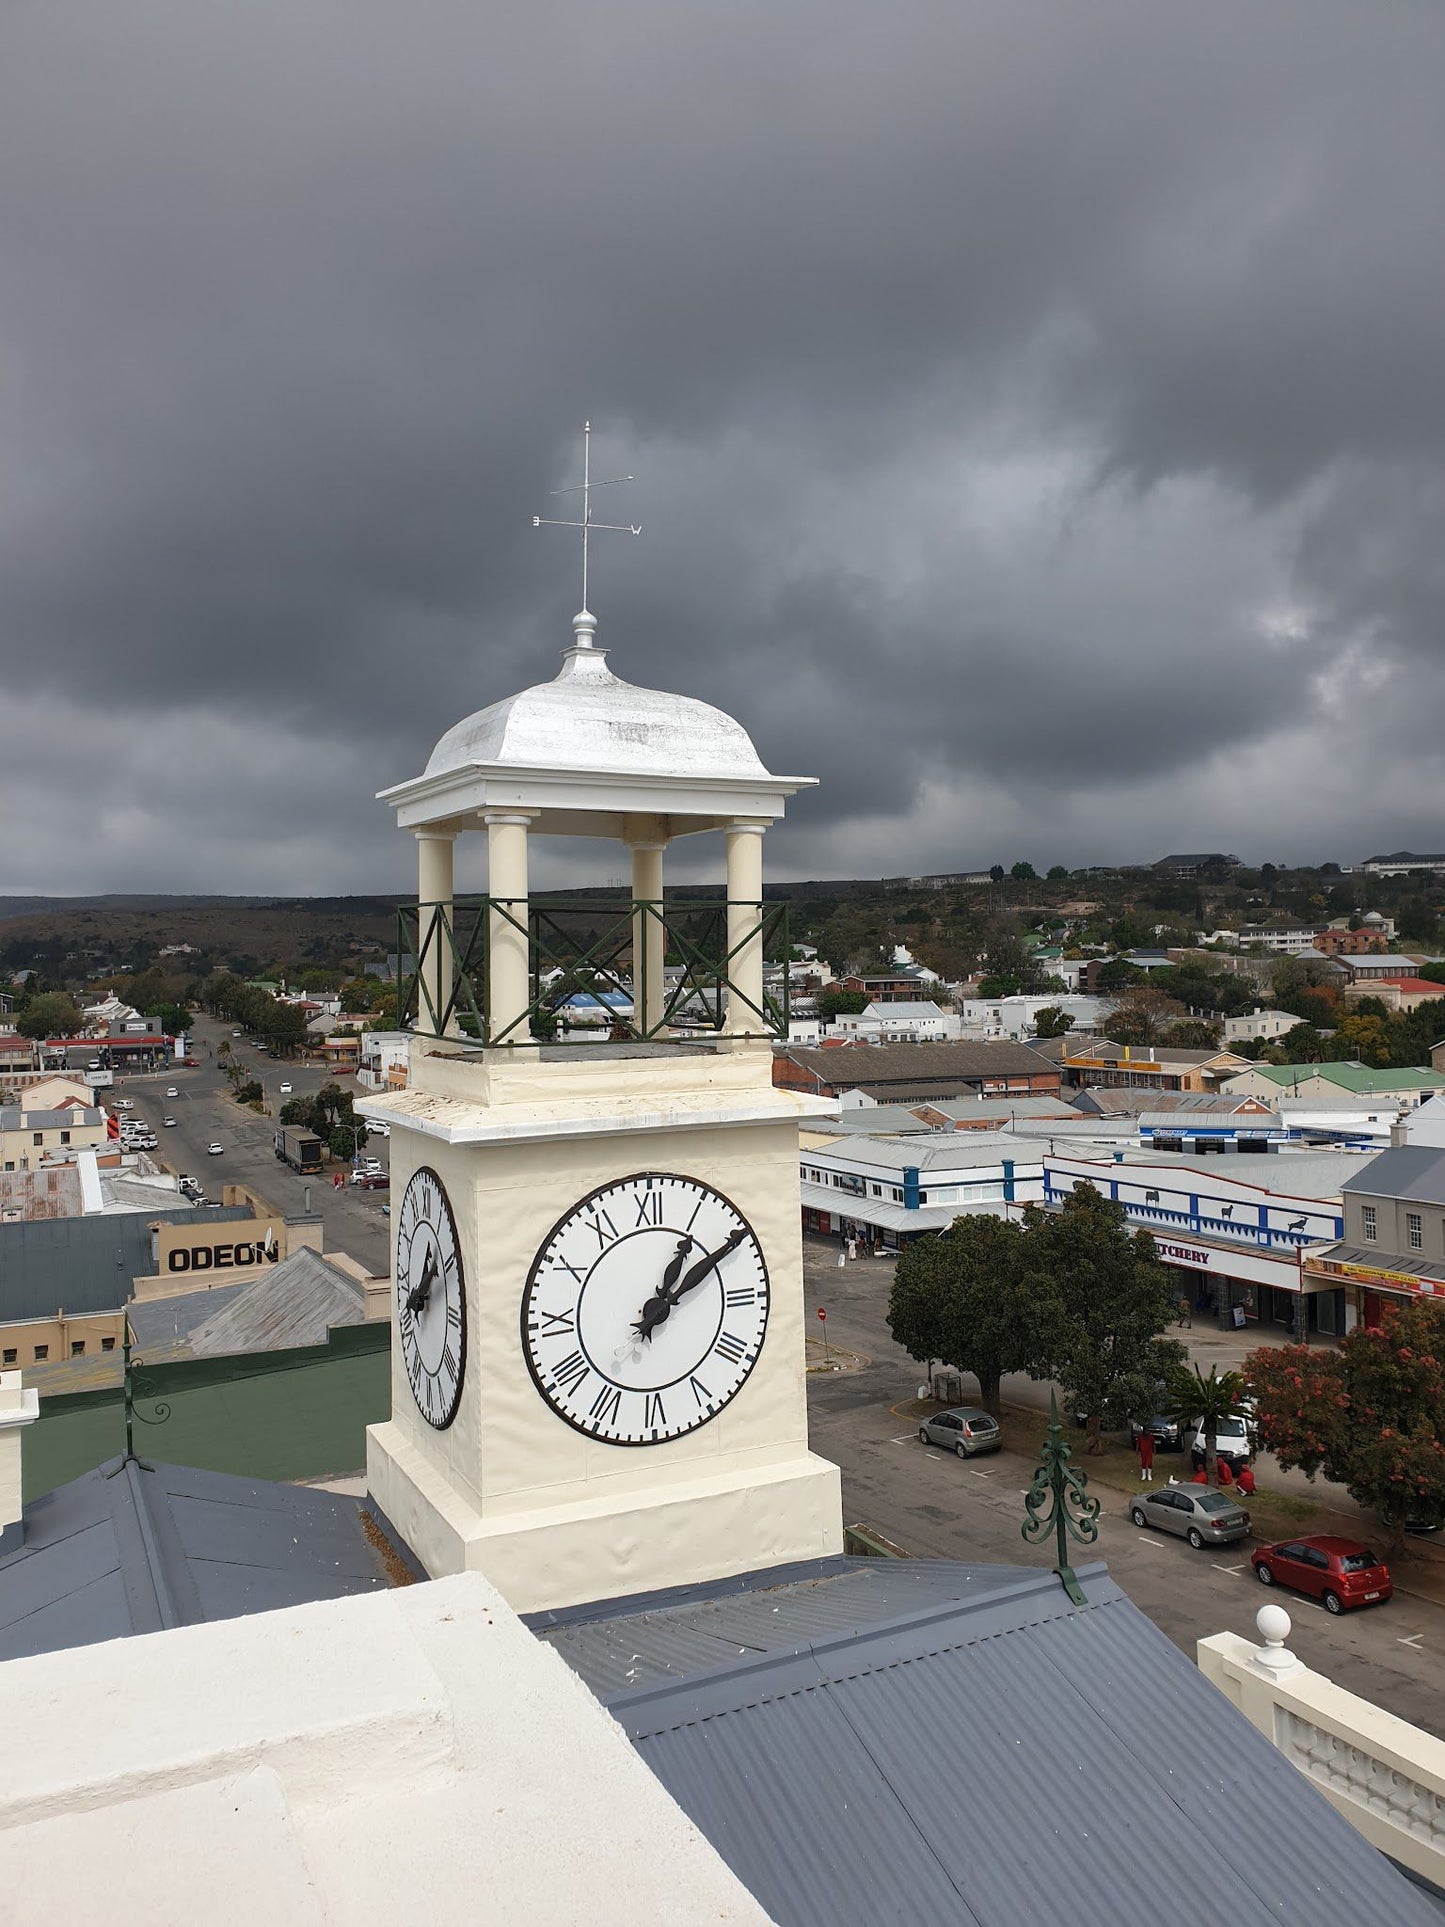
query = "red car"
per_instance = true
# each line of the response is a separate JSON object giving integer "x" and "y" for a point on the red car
{"x": 1339, "y": 1572}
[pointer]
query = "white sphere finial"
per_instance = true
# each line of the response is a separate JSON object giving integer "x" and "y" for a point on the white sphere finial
{"x": 1274, "y": 1629}
{"x": 584, "y": 627}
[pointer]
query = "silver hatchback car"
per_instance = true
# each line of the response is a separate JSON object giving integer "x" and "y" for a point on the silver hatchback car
{"x": 967, "y": 1430}
{"x": 1195, "y": 1512}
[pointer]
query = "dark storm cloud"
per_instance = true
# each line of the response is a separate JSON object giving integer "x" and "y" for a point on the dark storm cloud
{"x": 1034, "y": 409}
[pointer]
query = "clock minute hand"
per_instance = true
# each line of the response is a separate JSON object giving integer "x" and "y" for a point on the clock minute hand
{"x": 704, "y": 1265}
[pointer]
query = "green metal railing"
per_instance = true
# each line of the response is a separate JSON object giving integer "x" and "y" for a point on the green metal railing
{"x": 602, "y": 952}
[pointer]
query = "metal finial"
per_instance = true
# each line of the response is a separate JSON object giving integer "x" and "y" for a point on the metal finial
{"x": 1058, "y": 1485}
{"x": 585, "y": 488}
{"x": 134, "y": 1388}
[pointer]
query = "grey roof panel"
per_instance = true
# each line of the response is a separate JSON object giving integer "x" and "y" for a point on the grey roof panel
{"x": 161, "y": 1545}
{"x": 1405, "y": 1171}
{"x": 815, "y": 1769}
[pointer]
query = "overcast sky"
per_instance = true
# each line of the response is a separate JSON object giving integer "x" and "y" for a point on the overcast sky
{"x": 1036, "y": 409}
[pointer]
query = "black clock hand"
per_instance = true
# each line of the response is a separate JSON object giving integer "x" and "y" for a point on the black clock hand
{"x": 704, "y": 1265}
{"x": 655, "y": 1311}
{"x": 420, "y": 1295}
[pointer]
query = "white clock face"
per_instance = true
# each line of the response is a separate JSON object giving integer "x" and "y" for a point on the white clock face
{"x": 431, "y": 1299}
{"x": 645, "y": 1309}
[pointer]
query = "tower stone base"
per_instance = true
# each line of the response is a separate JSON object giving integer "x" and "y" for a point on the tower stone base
{"x": 685, "y": 1531}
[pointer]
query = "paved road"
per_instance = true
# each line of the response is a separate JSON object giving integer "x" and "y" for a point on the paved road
{"x": 205, "y": 1114}
{"x": 936, "y": 1505}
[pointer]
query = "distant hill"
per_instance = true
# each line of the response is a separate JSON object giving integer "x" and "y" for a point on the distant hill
{"x": 39, "y": 906}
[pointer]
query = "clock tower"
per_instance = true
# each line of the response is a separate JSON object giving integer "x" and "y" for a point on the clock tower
{"x": 598, "y": 1350}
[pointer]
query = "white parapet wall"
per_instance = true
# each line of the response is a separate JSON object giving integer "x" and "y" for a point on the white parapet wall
{"x": 1385, "y": 1776}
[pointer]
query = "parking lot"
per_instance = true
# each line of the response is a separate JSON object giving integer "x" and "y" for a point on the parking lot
{"x": 935, "y": 1505}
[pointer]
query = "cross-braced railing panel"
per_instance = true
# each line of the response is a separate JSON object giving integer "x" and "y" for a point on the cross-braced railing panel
{"x": 592, "y": 963}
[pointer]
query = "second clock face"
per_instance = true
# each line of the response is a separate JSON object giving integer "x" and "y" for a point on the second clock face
{"x": 431, "y": 1299}
{"x": 645, "y": 1309}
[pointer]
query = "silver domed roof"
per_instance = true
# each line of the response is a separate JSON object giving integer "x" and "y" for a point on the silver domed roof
{"x": 589, "y": 719}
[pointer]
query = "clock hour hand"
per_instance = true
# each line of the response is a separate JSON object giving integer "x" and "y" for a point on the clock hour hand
{"x": 420, "y": 1294}
{"x": 655, "y": 1311}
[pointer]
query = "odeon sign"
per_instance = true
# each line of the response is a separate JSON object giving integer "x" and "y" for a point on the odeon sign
{"x": 224, "y": 1257}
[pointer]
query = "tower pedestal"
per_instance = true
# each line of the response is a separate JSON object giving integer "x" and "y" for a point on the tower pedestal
{"x": 700, "y": 1528}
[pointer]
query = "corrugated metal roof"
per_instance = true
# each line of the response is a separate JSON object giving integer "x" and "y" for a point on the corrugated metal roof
{"x": 1410, "y": 1171}
{"x": 1006, "y": 1761}
{"x": 132, "y": 1549}
{"x": 298, "y": 1303}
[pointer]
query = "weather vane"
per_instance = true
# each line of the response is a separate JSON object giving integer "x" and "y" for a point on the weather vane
{"x": 585, "y": 488}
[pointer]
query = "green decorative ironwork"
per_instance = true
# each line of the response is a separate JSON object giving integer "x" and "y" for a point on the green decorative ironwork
{"x": 136, "y": 1387}
{"x": 1071, "y": 1512}
{"x": 601, "y": 950}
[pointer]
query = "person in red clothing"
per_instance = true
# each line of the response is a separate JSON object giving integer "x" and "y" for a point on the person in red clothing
{"x": 1146, "y": 1458}
{"x": 1244, "y": 1484}
{"x": 1226, "y": 1472}
{"x": 1201, "y": 1477}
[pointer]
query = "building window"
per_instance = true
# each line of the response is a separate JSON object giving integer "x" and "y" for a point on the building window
{"x": 9, "y": 1355}
{"x": 65, "y": 1137}
{"x": 1415, "y": 1230}
{"x": 42, "y": 1352}
{"x": 1367, "y": 1223}
{"x": 38, "y": 1137}
{"x": 107, "y": 1344}
{"x": 77, "y": 1348}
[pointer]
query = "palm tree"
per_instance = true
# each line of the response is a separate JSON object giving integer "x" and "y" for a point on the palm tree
{"x": 1208, "y": 1400}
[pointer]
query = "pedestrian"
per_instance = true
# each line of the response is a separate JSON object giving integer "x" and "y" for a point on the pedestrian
{"x": 1244, "y": 1484}
{"x": 852, "y": 1248}
{"x": 1186, "y": 1314}
{"x": 336, "y": 1180}
{"x": 1146, "y": 1457}
{"x": 1201, "y": 1477}
{"x": 1226, "y": 1472}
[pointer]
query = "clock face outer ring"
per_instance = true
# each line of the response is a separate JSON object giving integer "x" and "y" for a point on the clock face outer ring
{"x": 418, "y": 1176}
{"x": 600, "y": 1190}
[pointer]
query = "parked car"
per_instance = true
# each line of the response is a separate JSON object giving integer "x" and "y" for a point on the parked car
{"x": 237, "y": 1033}
{"x": 1195, "y": 1512}
{"x": 1340, "y": 1573}
{"x": 169, "y": 1123}
{"x": 1233, "y": 1441}
{"x": 285, "y": 1090}
{"x": 1167, "y": 1434}
{"x": 192, "y": 1063}
{"x": 965, "y": 1430}
{"x": 376, "y": 1181}
{"x": 379, "y": 1130}
{"x": 215, "y": 1150}
{"x": 125, "y": 1104}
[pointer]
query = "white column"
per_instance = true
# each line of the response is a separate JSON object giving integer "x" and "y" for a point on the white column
{"x": 18, "y": 1407}
{"x": 646, "y": 838}
{"x": 434, "y": 907}
{"x": 745, "y": 903}
{"x": 508, "y": 976}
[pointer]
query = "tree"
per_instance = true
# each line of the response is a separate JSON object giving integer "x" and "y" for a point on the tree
{"x": 996, "y": 873}
{"x": 1023, "y": 871}
{"x": 1058, "y": 874}
{"x": 1433, "y": 973}
{"x": 1052, "y": 1021}
{"x": 1144, "y": 1015}
{"x": 1370, "y": 1416}
{"x": 833, "y": 1002}
{"x": 1193, "y": 1033}
{"x": 1117, "y": 974}
{"x": 958, "y": 1296}
{"x": 51, "y": 1014}
{"x": 1193, "y": 1396}
{"x": 1101, "y": 1299}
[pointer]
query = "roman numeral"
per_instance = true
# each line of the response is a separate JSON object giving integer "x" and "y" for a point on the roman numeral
{"x": 700, "y": 1391}
{"x": 571, "y": 1372}
{"x": 654, "y": 1414}
{"x": 454, "y": 1315}
{"x": 555, "y": 1324}
{"x": 649, "y": 1208}
{"x": 450, "y": 1367}
{"x": 701, "y": 1201}
{"x": 604, "y": 1406}
{"x": 745, "y": 1295}
{"x": 596, "y": 1220}
{"x": 577, "y": 1277}
{"x": 731, "y": 1348}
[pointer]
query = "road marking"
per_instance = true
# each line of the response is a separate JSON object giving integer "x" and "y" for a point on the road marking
{"x": 1145, "y": 1540}
{"x": 1218, "y": 1568}
{"x": 904, "y": 1438}
{"x": 1412, "y": 1640}
{"x": 980, "y": 1475}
